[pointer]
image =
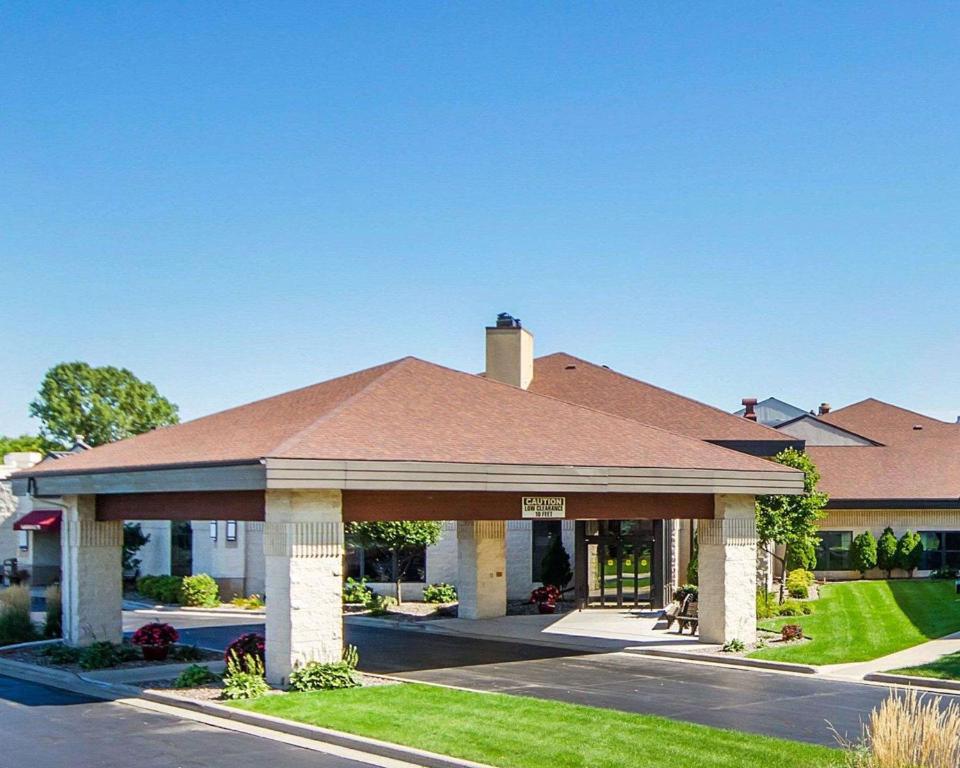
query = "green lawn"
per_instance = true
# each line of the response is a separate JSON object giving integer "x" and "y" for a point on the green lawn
{"x": 863, "y": 620}
{"x": 519, "y": 732}
{"x": 945, "y": 668}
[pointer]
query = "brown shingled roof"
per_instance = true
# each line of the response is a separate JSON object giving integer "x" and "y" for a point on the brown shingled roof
{"x": 925, "y": 469}
{"x": 886, "y": 423}
{"x": 411, "y": 410}
{"x": 578, "y": 381}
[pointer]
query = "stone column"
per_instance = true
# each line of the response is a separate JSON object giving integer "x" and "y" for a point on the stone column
{"x": 481, "y": 564}
{"x": 728, "y": 571}
{"x": 91, "y": 574}
{"x": 303, "y": 551}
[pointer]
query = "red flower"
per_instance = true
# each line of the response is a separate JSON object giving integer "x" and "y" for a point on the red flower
{"x": 548, "y": 594}
{"x": 156, "y": 634}
{"x": 250, "y": 644}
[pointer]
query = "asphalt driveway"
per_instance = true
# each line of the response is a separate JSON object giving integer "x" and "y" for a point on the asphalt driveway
{"x": 790, "y": 706}
{"x": 44, "y": 727}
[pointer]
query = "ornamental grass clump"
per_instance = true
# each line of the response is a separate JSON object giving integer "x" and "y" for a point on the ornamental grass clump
{"x": 908, "y": 730}
{"x": 53, "y": 622}
{"x": 15, "y": 623}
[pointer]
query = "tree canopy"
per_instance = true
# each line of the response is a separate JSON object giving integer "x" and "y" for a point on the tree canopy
{"x": 792, "y": 520}
{"x": 24, "y": 443}
{"x": 101, "y": 404}
{"x": 401, "y": 537}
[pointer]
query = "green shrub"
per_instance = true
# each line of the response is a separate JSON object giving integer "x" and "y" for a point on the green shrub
{"x": 380, "y": 605}
{"x": 100, "y": 655}
{"x": 163, "y": 589}
{"x": 316, "y": 676}
{"x": 53, "y": 623}
{"x": 357, "y": 592}
{"x": 798, "y": 583}
{"x": 186, "y": 653}
{"x": 802, "y": 555}
{"x": 15, "y": 623}
{"x": 909, "y": 552}
{"x": 193, "y": 676}
{"x": 863, "y": 553}
{"x": 61, "y": 654}
{"x": 244, "y": 679}
{"x": 200, "y": 590}
{"x": 766, "y": 604}
{"x": 439, "y": 593}
{"x": 128, "y": 652}
{"x": 793, "y": 608}
{"x": 887, "y": 551}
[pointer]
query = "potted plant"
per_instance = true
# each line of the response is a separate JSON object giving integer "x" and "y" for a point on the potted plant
{"x": 155, "y": 640}
{"x": 546, "y": 598}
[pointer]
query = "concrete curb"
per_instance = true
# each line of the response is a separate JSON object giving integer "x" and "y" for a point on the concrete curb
{"x": 732, "y": 661}
{"x": 68, "y": 681}
{"x": 315, "y": 733}
{"x": 950, "y": 686}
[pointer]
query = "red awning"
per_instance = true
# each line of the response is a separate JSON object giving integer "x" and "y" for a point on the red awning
{"x": 46, "y": 520}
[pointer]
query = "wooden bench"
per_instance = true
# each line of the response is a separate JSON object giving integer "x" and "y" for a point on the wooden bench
{"x": 688, "y": 616}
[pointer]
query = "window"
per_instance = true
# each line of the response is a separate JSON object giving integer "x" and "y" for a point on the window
{"x": 833, "y": 553}
{"x": 377, "y": 564}
{"x": 544, "y": 532}
{"x": 940, "y": 549}
{"x": 231, "y": 530}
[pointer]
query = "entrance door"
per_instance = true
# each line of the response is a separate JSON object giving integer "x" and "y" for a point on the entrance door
{"x": 619, "y": 562}
{"x": 181, "y": 548}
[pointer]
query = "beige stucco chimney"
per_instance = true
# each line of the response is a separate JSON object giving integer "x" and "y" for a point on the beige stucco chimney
{"x": 510, "y": 352}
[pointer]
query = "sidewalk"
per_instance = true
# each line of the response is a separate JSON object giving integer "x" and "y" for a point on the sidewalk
{"x": 604, "y": 629}
{"x": 911, "y": 657}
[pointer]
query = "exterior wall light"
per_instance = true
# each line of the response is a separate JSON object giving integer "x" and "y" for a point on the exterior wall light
{"x": 23, "y": 540}
{"x": 213, "y": 530}
{"x": 231, "y": 530}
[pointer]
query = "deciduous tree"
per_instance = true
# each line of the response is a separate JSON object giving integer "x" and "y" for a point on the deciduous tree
{"x": 100, "y": 404}
{"x": 402, "y": 538}
{"x": 791, "y": 521}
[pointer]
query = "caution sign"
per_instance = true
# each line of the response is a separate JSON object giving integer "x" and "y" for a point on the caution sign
{"x": 544, "y": 507}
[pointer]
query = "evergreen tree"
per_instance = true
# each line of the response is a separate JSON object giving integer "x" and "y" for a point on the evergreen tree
{"x": 909, "y": 552}
{"x": 887, "y": 551}
{"x": 863, "y": 553}
{"x": 803, "y": 554}
{"x": 555, "y": 568}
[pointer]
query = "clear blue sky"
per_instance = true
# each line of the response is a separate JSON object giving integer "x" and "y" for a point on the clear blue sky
{"x": 235, "y": 199}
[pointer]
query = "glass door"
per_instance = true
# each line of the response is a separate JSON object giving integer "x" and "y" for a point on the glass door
{"x": 619, "y": 562}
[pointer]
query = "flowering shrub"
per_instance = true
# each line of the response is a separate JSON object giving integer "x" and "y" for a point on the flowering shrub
{"x": 548, "y": 594}
{"x": 245, "y": 647}
{"x": 155, "y": 634}
{"x": 791, "y": 632}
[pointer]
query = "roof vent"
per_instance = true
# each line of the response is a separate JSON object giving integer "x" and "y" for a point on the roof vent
{"x": 824, "y": 409}
{"x": 506, "y": 320}
{"x": 749, "y": 403}
{"x": 917, "y": 427}
{"x": 570, "y": 367}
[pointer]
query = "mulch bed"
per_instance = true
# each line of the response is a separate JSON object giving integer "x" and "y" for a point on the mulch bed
{"x": 35, "y": 656}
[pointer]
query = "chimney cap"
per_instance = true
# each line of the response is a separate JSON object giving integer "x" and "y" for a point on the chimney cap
{"x": 506, "y": 320}
{"x": 824, "y": 408}
{"x": 748, "y": 408}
